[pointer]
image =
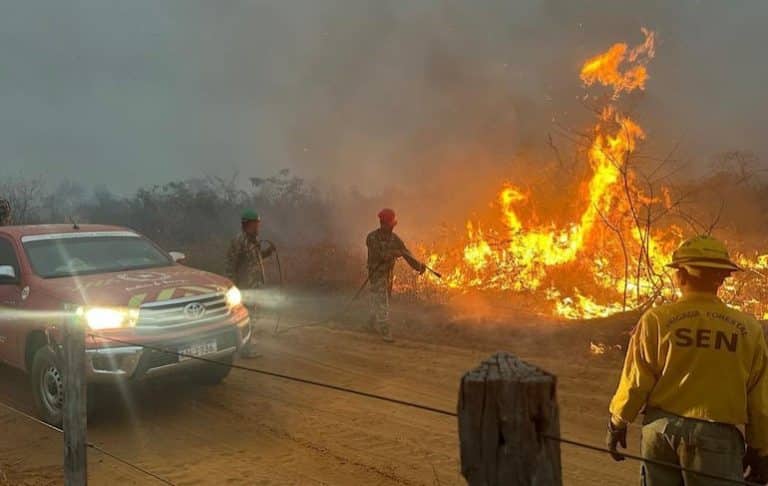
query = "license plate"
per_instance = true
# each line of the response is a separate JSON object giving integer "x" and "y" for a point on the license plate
{"x": 197, "y": 349}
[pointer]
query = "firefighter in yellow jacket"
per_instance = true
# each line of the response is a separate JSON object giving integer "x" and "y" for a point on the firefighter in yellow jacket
{"x": 699, "y": 370}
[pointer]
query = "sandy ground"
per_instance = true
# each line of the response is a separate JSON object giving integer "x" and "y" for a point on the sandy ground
{"x": 254, "y": 429}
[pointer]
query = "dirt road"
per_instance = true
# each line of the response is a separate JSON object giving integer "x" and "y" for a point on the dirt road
{"x": 255, "y": 429}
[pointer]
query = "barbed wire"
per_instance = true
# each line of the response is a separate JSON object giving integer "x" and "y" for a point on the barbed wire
{"x": 90, "y": 445}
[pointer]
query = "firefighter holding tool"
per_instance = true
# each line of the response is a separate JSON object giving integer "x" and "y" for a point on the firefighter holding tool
{"x": 384, "y": 248}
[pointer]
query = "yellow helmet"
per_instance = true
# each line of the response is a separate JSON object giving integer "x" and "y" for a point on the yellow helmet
{"x": 702, "y": 252}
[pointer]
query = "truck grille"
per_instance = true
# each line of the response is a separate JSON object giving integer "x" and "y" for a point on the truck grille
{"x": 183, "y": 312}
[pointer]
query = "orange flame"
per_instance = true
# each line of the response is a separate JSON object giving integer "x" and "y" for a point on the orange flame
{"x": 606, "y": 68}
{"x": 524, "y": 257}
{"x": 590, "y": 267}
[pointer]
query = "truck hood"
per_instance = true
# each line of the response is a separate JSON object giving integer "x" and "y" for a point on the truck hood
{"x": 136, "y": 287}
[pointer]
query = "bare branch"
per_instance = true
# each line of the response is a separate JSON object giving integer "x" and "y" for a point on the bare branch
{"x": 555, "y": 150}
{"x": 716, "y": 221}
{"x": 696, "y": 225}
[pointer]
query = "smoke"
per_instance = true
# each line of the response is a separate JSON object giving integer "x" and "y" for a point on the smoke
{"x": 426, "y": 106}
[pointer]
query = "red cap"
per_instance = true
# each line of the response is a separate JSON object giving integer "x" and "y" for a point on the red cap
{"x": 387, "y": 217}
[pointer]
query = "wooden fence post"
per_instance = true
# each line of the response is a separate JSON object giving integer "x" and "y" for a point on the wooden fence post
{"x": 507, "y": 409}
{"x": 75, "y": 415}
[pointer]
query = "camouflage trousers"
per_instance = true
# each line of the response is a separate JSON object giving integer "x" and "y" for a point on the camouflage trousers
{"x": 707, "y": 447}
{"x": 380, "y": 291}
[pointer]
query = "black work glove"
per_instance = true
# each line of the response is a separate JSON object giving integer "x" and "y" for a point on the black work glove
{"x": 757, "y": 465}
{"x": 616, "y": 436}
{"x": 422, "y": 269}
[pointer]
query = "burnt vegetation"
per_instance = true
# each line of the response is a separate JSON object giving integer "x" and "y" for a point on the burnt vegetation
{"x": 199, "y": 216}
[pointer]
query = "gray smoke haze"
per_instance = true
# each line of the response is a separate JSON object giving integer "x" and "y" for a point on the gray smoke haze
{"x": 438, "y": 99}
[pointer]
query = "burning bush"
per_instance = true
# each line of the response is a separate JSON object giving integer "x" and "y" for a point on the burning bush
{"x": 604, "y": 250}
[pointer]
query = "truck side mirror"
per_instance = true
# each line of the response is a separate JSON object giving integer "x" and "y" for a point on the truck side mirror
{"x": 8, "y": 274}
{"x": 178, "y": 257}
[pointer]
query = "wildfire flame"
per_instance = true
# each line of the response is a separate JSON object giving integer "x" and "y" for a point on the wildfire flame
{"x": 606, "y": 68}
{"x": 604, "y": 258}
{"x": 524, "y": 256}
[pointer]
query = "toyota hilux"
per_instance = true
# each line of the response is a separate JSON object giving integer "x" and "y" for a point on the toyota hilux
{"x": 136, "y": 299}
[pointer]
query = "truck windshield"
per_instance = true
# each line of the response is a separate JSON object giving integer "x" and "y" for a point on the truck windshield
{"x": 65, "y": 257}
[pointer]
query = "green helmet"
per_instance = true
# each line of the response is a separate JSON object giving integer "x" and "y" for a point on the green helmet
{"x": 250, "y": 215}
{"x": 703, "y": 252}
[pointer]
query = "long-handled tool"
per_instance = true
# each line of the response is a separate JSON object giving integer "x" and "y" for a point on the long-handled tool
{"x": 434, "y": 272}
{"x": 343, "y": 311}
{"x": 351, "y": 301}
{"x": 409, "y": 256}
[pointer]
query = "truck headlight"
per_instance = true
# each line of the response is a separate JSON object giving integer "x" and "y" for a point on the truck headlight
{"x": 234, "y": 297}
{"x": 100, "y": 318}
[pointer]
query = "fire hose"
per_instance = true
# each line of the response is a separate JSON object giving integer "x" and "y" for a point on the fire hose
{"x": 277, "y": 260}
{"x": 278, "y": 313}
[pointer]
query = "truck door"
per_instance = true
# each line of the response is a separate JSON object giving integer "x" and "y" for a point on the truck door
{"x": 10, "y": 301}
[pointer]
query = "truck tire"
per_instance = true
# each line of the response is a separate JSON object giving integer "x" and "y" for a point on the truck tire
{"x": 212, "y": 374}
{"x": 47, "y": 377}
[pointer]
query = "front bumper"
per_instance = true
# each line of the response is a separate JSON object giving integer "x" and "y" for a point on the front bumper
{"x": 120, "y": 363}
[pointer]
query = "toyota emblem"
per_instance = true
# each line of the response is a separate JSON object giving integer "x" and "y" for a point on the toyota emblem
{"x": 195, "y": 310}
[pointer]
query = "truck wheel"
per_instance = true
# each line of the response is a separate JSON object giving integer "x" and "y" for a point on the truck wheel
{"x": 48, "y": 386}
{"x": 213, "y": 374}
{"x": 47, "y": 378}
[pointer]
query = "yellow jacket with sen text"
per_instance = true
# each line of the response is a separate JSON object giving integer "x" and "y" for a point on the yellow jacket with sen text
{"x": 698, "y": 358}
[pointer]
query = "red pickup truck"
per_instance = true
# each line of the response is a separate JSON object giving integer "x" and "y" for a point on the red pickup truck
{"x": 125, "y": 288}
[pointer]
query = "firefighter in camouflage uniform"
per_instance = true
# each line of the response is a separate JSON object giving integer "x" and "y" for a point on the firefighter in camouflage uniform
{"x": 5, "y": 212}
{"x": 245, "y": 263}
{"x": 384, "y": 248}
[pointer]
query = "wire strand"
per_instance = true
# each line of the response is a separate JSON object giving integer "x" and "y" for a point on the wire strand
{"x": 88, "y": 444}
{"x": 282, "y": 376}
{"x": 415, "y": 406}
{"x": 30, "y": 417}
{"x": 130, "y": 464}
{"x": 651, "y": 461}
